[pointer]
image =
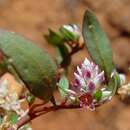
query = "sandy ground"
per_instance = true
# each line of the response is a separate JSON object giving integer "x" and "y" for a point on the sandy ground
{"x": 32, "y": 18}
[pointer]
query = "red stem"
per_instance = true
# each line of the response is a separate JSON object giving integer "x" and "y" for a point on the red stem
{"x": 40, "y": 111}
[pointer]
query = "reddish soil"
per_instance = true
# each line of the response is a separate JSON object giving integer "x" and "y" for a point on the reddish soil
{"x": 32, "y": 18}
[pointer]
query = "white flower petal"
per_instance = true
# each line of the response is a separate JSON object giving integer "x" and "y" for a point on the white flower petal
{"x": 86, "y": 62}
{"x": 78, "y": 77}
{"x": 79, "y": 71}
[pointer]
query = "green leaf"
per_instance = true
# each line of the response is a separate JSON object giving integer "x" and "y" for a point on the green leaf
{"x": 41, "y": 68}
{"x": 54, "y": 38}
{"x": 14, "y": 118}
{"x": 63, "y": 85}
{"x": 97, "y": 43}
{"x": 98, "y": 95}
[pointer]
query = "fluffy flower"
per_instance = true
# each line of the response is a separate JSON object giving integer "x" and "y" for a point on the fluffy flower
{"x": 9, "y": 101}
{"x": 88, "y": 79}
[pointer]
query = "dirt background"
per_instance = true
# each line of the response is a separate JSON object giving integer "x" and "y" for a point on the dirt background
{"x": 32, "y": 18}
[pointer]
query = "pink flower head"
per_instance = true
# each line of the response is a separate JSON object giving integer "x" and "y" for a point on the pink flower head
{"x": 88, "y": 79}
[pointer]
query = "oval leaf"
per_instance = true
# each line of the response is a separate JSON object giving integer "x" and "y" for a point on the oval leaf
{"x": 97, "y": 43}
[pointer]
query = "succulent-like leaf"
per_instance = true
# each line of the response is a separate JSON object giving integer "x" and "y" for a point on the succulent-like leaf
{"x": 35, "y": 68}
{"x": 97, "y": 43}
{"x": 63, "y": 85}
{"x": 54, "y": 38}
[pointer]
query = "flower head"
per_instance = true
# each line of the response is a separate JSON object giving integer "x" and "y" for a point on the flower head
{"x": 9, "y": 101}
{"x": 88, "y": 77}
{"x": 88, "y": 80}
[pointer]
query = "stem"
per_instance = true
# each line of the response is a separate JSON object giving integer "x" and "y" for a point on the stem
{"x": 40, "y": 111}
{"x": 72, "y": 48}
{"x": 75, "y": 46}
{"x": 23, "y": 120}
